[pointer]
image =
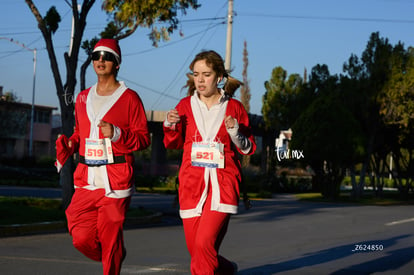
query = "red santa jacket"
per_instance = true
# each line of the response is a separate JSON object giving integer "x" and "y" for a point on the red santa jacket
{"x": 193, "y": 180}
{"x": 125, "y": 110}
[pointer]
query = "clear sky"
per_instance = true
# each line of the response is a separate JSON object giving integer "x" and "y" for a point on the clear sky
{"x": 295, "y": 35}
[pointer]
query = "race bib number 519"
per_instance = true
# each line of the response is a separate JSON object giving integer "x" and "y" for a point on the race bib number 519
{"x": 98, "y": 151}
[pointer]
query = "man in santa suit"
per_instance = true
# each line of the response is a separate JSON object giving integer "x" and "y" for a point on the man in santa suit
{"x": 110, "y": 125}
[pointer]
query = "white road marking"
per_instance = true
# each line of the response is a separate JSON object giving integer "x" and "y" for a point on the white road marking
{"x": 400, "y": 222}
{"x": 169, "y": 268}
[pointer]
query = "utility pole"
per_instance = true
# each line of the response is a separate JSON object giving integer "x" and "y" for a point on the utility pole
{"x": 227, "y": 61}
{"x": 33, "y": 105}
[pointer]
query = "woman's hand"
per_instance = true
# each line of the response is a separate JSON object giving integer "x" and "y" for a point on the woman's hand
{"x": 173, "y": 117}
{"x": 230, "y": 122}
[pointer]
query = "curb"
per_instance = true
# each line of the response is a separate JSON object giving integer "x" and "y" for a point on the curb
{"x": 15, "y": 230}
{"x": 32, "y": 228}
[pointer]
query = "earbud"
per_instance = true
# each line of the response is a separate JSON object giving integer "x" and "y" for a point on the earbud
{"x": 218, "y": 81}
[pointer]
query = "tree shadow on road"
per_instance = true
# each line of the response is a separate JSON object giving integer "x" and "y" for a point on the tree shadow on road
{"x": 282, "y": 206}
{"x": 392, "y": 261}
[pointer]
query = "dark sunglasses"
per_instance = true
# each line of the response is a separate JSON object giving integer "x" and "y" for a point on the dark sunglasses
{"x": 106, "y": 56}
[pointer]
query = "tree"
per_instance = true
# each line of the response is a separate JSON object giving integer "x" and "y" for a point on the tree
{"x": 280, "y": 102}
{"x": 397, "y": 110}
{"x": 355, "y": 120}
{"x": 325, "y": 130}
{"x": 368, "y": 75}
{"x": 128, "y": 15}
{"x": 281, "y": 107}
{"x": 327, "y": 133}
{"x": 9, "y": 97}
{"x": 397, "y": 100}
{"x": 245, "y": 89}
{"x": 245, "y": 93}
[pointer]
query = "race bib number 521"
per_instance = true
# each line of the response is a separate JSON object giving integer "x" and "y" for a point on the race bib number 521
{"x": 207, "y": 155}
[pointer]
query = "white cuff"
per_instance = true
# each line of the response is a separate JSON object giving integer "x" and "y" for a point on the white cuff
{"x": 242, "y": 142}
{"x": 167, "y": 124}
{"x": 117, "y": 134}
{"x": 233, "y": 131}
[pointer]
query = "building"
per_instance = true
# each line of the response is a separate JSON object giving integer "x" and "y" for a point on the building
{"x": 282, "y": 143}
{"x": 15, "y": 125}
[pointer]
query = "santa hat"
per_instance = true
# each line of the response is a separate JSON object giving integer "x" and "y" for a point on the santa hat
{"x": 109, "y": 45}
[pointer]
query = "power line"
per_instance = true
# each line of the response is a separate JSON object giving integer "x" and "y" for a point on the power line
{"x": 17, "y": 42}
{"x": 202, "y": 19}
{"x": 148, "y": 88}
{"x": 101, "y": 27}
{"x": 168, "y": 44}
{"x": 183, "y": 65}
{"x": 179, "y": 72}
{"x": 329, "y": 18}
{"x": 175, "y": 42}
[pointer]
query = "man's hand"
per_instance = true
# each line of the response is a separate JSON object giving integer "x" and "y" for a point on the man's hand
{"x": 107, "y": 129}
{"x": 69, "y": 142}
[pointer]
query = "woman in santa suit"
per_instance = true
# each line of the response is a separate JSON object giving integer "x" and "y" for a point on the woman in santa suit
{"x": 110, "y": 125}
{"x": 212, "y": 128}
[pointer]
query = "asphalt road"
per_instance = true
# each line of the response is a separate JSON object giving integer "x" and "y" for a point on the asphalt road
{"x": 277, "y": 236}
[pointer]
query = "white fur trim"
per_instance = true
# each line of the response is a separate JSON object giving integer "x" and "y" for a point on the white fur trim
{"x": 115, "y": 194}
{"x": 58, "y": 166}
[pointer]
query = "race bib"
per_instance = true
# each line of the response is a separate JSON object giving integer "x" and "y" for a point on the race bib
{"x": 208, "y": 155}
{"x": 98, "y": 151}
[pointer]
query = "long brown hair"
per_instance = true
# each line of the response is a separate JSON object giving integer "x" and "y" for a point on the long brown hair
{"x": 215, "y": 62}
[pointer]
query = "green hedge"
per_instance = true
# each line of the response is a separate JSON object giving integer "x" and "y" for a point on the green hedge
{"x": 389, "y": 183}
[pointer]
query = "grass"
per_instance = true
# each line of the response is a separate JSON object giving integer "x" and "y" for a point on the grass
{"x": 30, "y": 182}
{"x": 25, "y": 210}
{"x": 155, "y": 189}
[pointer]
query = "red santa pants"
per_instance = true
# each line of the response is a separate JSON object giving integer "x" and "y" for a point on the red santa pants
{"x": 204, "y": 235}
{"x": 96, "y": 225}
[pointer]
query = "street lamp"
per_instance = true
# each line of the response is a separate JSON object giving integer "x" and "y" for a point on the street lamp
{"x": 33, "y": 92}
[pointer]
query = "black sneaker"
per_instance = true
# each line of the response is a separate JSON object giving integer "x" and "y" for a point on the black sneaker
{"x": 235, "y": 267}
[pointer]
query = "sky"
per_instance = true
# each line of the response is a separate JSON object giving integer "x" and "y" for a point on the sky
{"x": 294, "y": 34}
